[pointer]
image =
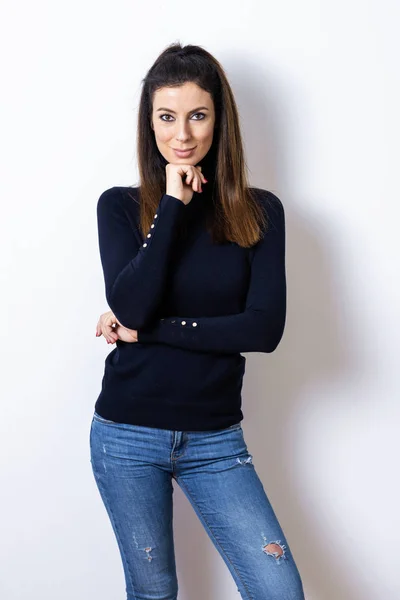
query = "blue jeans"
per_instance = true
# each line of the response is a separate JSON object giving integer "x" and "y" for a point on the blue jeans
{"x": 133, "y": 467}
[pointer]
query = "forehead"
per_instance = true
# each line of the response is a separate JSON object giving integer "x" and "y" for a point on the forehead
{"x": 183, "y": 97}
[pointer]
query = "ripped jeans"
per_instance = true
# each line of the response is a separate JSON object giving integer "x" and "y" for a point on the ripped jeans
{"x": 133, "y": 467}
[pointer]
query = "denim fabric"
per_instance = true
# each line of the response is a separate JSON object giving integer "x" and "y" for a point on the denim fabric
{"x": 133, "y": 467}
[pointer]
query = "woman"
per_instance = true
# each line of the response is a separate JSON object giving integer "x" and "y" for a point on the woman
{"x": 194, "y": 269}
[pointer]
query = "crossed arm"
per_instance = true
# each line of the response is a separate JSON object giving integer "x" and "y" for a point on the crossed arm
{"x": 135, "y": 278}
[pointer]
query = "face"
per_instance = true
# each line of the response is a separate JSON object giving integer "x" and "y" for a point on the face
{"x": 183, "y": 117}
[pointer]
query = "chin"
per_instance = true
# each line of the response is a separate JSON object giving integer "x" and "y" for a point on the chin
{"x": 191, "y": 160}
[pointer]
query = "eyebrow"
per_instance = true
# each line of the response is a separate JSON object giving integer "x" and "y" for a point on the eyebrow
{"x": 190, "y": 111}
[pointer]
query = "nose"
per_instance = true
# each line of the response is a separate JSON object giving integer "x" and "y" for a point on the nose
{"x": 182, "y": 131}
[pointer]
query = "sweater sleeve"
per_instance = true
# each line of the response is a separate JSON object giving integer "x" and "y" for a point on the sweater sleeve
{"x": 135, "y": 272}
{"x": 259, "y": 328}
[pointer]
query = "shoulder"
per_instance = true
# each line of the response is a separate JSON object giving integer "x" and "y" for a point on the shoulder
{"x": 268, "y": 200}
{"x": 272, "y": 207}
{"x": 119, "y": 198}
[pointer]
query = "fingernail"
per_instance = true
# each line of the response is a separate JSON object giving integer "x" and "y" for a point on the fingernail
{"x": 205, "y": 180}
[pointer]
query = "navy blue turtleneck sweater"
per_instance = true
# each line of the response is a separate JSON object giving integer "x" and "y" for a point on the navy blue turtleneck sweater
{"x": 196, "y": 306}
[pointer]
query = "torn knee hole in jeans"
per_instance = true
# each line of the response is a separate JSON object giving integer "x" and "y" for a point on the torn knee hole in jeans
{"x": 147, "y": 550}
{"x": 275, "y": 549}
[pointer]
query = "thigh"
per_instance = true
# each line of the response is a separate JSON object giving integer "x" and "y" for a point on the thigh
{"x": 230, "y": 501}
{"x": 137, "y": 495}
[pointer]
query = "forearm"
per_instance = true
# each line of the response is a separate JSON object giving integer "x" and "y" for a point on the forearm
{"x": 250, "y": 331}
{"x": 135, "y": 274}
{"x": 259, "y": 328}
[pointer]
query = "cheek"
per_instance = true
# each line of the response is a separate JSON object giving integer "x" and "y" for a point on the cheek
{"x": 162, "y": 135}
{"x": 206, "y": 141}
{"x": 206, "y": 135}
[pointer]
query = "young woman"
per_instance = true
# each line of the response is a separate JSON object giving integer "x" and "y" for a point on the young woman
{"x": 194, "y": 270}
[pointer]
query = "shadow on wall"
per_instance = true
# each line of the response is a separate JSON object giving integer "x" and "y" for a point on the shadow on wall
{"x": 313, "y": 349}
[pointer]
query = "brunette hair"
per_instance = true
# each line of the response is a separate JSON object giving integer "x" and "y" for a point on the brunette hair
{"x": 237, "y": 214}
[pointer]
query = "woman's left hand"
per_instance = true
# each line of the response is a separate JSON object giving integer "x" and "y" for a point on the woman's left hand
{"x": 109, "y": 326}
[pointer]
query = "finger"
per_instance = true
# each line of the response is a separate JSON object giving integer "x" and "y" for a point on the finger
{"x": 107, "y": 332}
{"x": 189, "y": 177}
{"x": 105, "y": 336}
{"x": 203, "y": 179}
{"x": 109, "y": 317}
{"x": 100, "y": 327}
{"x": 194, "y": 180}
{"x": 112, "y": 338}
{"x": 108, "y": 321}
{"x": 198, "y": 185}
{"x": 104, "y": 325}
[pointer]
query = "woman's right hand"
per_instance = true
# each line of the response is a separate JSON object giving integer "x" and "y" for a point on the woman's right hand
{"x": 177, "y": 187}
{"x": 109, "y": 326}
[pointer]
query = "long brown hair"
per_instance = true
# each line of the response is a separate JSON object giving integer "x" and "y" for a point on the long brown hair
{"x": 237, "y": 214}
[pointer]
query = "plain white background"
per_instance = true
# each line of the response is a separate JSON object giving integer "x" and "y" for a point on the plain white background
{"x": 317, "y": 86}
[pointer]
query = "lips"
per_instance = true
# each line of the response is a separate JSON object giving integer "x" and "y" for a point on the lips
{"x": 184, "y": 153}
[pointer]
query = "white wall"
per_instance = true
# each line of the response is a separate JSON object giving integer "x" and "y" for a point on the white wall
{"x": 317, "y": 84}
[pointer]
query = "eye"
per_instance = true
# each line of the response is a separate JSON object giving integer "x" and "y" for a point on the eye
{"x": 168, "y": 115}
{"x": 199, "y": 113}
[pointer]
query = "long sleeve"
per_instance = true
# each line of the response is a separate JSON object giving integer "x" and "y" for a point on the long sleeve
{"x": 134, "y": 272}
{"x": 259, "y": 328}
